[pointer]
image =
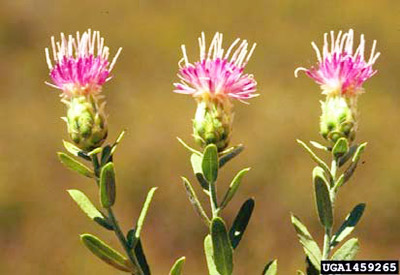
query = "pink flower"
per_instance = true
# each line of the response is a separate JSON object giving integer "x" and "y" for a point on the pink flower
{"x": 339, "y": 71}
{"x": 217, "y": 75}
{"x": 81, "y": 63}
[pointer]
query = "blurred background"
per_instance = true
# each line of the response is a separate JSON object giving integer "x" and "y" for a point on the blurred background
{"x": 39, "y": 223}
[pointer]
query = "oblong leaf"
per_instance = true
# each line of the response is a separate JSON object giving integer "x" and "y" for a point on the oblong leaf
{"x": 348, "y": 225}
{"x": 271, "y": 268}
{"x": 88, "y": 208}
{"x": 322, "y": 198}
{"x": 75, "y": 151}
{"x": 319, "y": 161}
{"x": 310, "y": 247}
{"x": 107, "y": 185}
{"x": 138, "y": 250}
{"x": 233, "y": 187}
{"x": 230, "y": 154}
{"x": 347, "y": 251}
{"x": 222, "y": 249}
{"x": 195, "y": 201}
{"x": 106, "y": 253}
{"x": 196, "y": 160}
{"x": 75, "y": 165}
{"x": 177, "y": 267}
{"x": 143, "y": 213}
{"x": 240, "y": 223}
{"x": 208, "y": 250}
{"x": 209, "y": 163}
{"x": 340, "y": 148}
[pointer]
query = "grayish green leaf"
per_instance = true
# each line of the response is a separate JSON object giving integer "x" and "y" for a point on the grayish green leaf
{"x": 229, "y": 154}
{"x": 208, "y": 250}
{"x": 177, "y": 267}
{"x": 143, "y": 213}
{"x": 107, "y": 185}
{"x": 310, "y": 247}
{"x": 322, "y": 198}
{"x": 223, "y": 257}
{"x": 348, "y": 225}
{"x": 119, "y": 139}
{"x": 233, "y": 187}
{"x": 209, "y": 163}
{"x": 347, "y": 251}
{"x": 271, "y": 268}
{"x": 106, "y": 253}
{"x": 75, "y": 165}
{"x": 188, "y": 147}
{"x": 340, "y": 148}
{"x": 196, "y": 161}
{"x": 195, "y": 201}
{"x": 240, "y": 223}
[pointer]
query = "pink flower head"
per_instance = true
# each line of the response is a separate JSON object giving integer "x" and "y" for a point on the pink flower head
{"x": 218, "y": 74}
{"x": 339, "y": 71}
{"x": 81, "y": 63}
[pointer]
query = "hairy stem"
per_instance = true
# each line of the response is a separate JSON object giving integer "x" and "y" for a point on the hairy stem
{"x": 213, "y": 199}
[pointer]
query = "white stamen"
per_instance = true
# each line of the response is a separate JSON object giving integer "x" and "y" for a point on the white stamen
{"x": 115, "y": 59}
{"x": 185, "y": 55}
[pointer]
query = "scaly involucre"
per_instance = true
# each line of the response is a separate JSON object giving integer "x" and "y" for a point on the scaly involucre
{"x": 339, "y": 70}
{"x": 218, "y": 74}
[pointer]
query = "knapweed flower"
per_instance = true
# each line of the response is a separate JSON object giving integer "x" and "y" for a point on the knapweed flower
{"x": 341, "y": 72}
{"x": 80, "y": 69}
{"x": 340, "y": 69}
{"x": 213, "y": 81}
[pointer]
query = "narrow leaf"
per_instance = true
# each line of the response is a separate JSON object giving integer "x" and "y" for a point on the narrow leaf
{"x": 320, "y": 162}
{"x": 143, "y": 213}
{"x": 195, "y": 201}
{"x": 347, "y": 251}
{"x": 221, "y": 247}
{"x": 319, "y": 146}
{"x": 188, "y": 147}
{"x": 233, "y": 187}
{"x": 240, "y": 223}
{"x": 350, "y": 170}
{"x": 208, "y": 250}
{"x": 228, "y": 155}
{"x": 75, "y": 165}
{"x": 209, "y": 163}
{"x": 88, "y": 208}
{"x": 138, "y": 250}
{"x": 348, "y": 156}
{"x": 119, "y": 139}
{"x": 348, "y": 225}
{"x": 75, "y": 151}
{"x": 310, "y": 247}
{"x": 271, "y": 268}
{"x": 177, "y": 267}
{"x": 196, "y": 160}
{"x": 340, "y": 148}
{"x": 322, "y": 198}
{"x": 107, "y": 185}
{"x": 105, "y": 155}
{"x": 106, "y": 253}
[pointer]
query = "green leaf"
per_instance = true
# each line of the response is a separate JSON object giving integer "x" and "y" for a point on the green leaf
{"x": 88, "y": 208}
{"x": 106, "y": 253}
{"x": 322, "y": 198}
{"x": 359, "y": 151}
{"x": 143, "y": 213}
{"x": 310, "y": 247}
{"x": 340, "y": 148}
{"x": 208, "y": 250}
{"x": 95, "y": 151}
{"x": 320, "y": 162}
{"x": 299, "y": 272}
{"x": 138, "y": 250}
{"x": 348, "y": 225}
{"x": 107, "y": 185}
{"x": 233, "y": 187}
{"x": 120, "y": 137}
{"x": 347, "y": 251}
{"x": 221, "y": 247}
{"x": 177, "y": 267}
{"x": 319, "y": 146}
{"x": 348, "y": 156}
{"x": 229, "y": 154}
{"x": 105, "y": 155}
{"x": 188, "y": 147}
{"x": 350, "y": 170}
{"x": 240, "y": 223}
{"x": 195, "y": 201}
{"x": 75, "y": 165}
{"x": 271, "y": 268}
{"x": 196, "y": 160}
{"x": 75, "y": 151}
{"x": 310, "y": 269}
{"x": 209, "y": 163}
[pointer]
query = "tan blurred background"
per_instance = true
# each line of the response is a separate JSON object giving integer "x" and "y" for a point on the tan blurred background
{"x": 39, "y": 223}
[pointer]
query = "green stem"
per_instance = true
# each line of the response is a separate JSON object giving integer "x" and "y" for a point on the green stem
{"x": 123, "y": 241}
{"x": 327, "y": 244}
{"x": 213, "y": 199}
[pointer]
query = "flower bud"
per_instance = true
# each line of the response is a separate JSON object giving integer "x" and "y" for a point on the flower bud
{"x": 213, "y": 123}
{"x": 338, "y": 119}
{"x": 86, "y": 122}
